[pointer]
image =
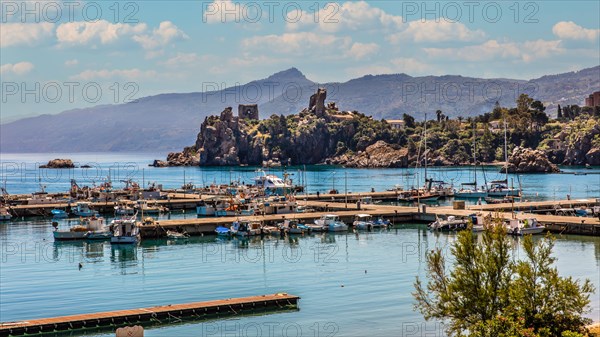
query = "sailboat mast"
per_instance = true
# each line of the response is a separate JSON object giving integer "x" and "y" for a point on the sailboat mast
{"x": 505, "y": 154}
{"x": 425, "y": 136}
{"x": 474, "y": 157}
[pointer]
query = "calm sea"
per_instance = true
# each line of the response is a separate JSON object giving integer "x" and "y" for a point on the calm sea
{"x": 350, "y": 284}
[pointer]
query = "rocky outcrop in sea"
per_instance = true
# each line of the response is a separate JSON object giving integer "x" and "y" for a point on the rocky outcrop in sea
{"x": 59, "y": 163}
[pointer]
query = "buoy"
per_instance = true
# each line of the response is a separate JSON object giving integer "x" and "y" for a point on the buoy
{"x": 365, "y": 271}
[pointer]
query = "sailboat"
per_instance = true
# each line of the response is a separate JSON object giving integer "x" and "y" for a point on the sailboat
{"x": 500, "y": 188}
{"x": 425, "y": 194}
{"x": 474, "y": 191}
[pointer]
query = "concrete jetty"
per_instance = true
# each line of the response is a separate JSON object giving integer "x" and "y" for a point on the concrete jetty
{"x": 165, "y": 313}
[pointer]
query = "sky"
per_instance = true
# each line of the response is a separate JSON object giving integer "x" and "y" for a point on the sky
{"x": 62, "y": 55}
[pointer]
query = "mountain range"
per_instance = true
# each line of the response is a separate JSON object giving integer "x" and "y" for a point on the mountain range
{"x": 168, "y": 122}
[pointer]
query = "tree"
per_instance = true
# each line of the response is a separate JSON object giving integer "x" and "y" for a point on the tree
{"x": 559, "y": 114}
{"x": 489, "y": 294}
{"x": 409, "y": 121}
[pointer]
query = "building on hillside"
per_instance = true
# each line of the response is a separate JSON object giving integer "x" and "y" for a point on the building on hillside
{"x": 248, "y": 111}
{"x": 396, "y": 123}
{"x": 593, "y": 99}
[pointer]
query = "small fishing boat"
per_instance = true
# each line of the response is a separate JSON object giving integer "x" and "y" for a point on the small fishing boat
{"x": 83, "y": 209}
{"x": 4, "y": 214}
{"x": 524, "y": 226}
{"x": 59, "y": 214}
{"x": 153, "y": 208}
{"x": 92, "y": 228}
{"x": 123, "y": 208}
{"x": 222, "y": 231}
{"x": 381, "y": 223}
{"x": 174, "y": 235}
{"x": 322, "y": 224}
{"x": 336, "y": 225}
{"x": 447, "y": 225}
{"x": 205, "y": 209}
{"x": 245, "y": 228}
{"x": 293, "y": 227}
{"x": 363, "y": 221}
{"x": 125, "y": 231}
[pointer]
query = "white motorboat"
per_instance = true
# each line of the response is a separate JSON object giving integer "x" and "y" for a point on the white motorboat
{"x": 271, "y": 184}
{"x": 293, "y": 227}
{"x": 125, "y": 231}
{"x": 173, "y": 235}
{"x": 449, "y": 224}
{"x": 524, "y": 226}
{"x": 363, "y": 221}
{"x": 92, "y": 228}
{"x": 83, "y": 209}
{"x": 331, "y": 223}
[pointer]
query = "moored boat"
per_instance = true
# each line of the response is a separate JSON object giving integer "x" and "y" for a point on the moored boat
{"x": 125, "y": 231}
{"x": 4, "y": 214}
{"x": 93, "y": 228}
{"x": 83, "y": 209}
{"x": 292, "y": 226}
{"x": 363, "y": 221}
{"x": 449, "y": 224}
{"x": 59, "y": 214}
{"x": 524, "y": 226}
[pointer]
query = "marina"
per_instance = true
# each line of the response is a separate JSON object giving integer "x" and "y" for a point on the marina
{"x": 179, "y": 245}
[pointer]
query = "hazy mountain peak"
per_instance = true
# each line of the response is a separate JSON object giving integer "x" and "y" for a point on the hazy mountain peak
{"x": 288, "y": 75}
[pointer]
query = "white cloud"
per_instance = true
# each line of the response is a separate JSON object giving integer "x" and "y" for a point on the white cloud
{"x": 431, "y": 31}
{"x": 128, "y": 74}
{"x": 102, "y": 31}
{"x": 20, "y": 68}
{"x": 333, "y": 17}
{"x": 493, "y": 49}
{"x": 569, "y": 30}
{"x": 359, "y": 50}
{"x": 70, "y": 63}
{"x": 12, "y": 34}
{"x": 298, "y": 43}
{"x": 161, "y": 36}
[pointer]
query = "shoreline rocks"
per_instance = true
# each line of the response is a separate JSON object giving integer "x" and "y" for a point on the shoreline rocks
{"x": 59, "y": 163}
{"x": 526, "y": 160}
{"x": 380, "y": 154}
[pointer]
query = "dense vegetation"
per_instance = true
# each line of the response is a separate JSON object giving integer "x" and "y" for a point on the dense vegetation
{"x": 573, "y": 138}
{"x": 450, "y": 141}
{"x": 490, "y": 293}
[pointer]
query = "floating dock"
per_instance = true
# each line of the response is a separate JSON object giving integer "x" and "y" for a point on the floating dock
{"x": 175, "y": 312}
{"x": 396, "y": 214}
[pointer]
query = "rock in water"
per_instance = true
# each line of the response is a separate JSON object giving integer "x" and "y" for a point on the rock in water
{"x": 59, "y": 163}
{"x": 526, "y": 160}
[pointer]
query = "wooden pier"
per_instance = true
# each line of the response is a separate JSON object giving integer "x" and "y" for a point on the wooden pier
{"x": 165, "y": 313}
{"x": 397, "y": 214}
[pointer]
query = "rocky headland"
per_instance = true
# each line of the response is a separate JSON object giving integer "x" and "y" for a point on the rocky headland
{"x": 323, "y": 134}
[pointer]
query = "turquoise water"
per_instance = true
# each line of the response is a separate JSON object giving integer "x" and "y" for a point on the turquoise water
{"x": 351, "y": 285}
{"x": 21, "y": 175}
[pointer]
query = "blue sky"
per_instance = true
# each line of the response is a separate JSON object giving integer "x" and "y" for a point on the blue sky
{"x": 59, "y": 55}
